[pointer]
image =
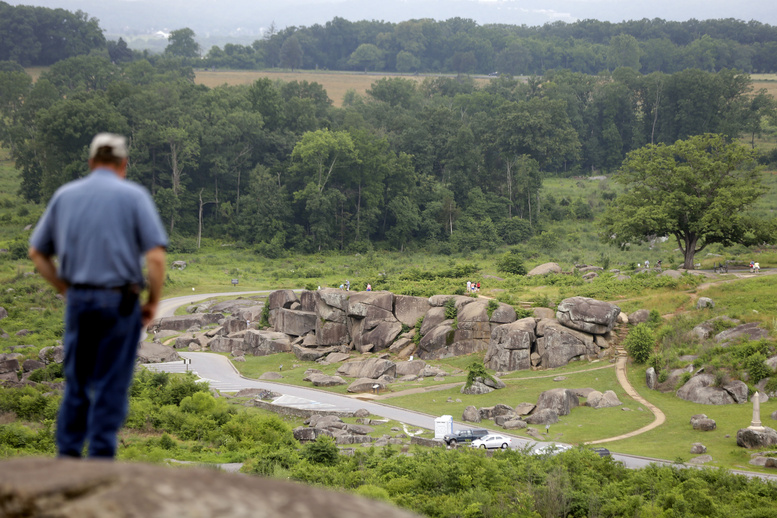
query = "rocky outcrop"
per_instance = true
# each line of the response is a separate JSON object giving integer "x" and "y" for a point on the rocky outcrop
{"x": 222, "y": 344}
{"x": 295, "y": 322}
{"x": 8, "y": 370}
{"x": 367, "y": 385}
{"x": 700, "y": 389}
{"x": 52, "y": 354}
{"x": 331, "y": 327}
{"x": 372, "y": 368}
{"x": 698, "y": 448}
{"x": 371, "y": 319}
{"x": 651, "y": 379}
{"x": 588, "y": 315}
{"x": 409, "y": 309}
{"x": 706, "y": 329}
{"x": 262, "y": 343}
{"x": 703, "y": 423}
{"x": 510, "y": 346}
{"x": 749, "y": 438}
{"x": 542, "y": 416}
{"x": 98, "y": 489}
{"x": 557, "y": 345}
{"x": 751, "y": 331}
{"x": 184, "y": 322}
{"x": 471, "y": 414}
{"x": 560, "y": 400}
{"x": 323, "y": 380}
{"x": 476, "y": 388}
{"x": 544, "y": 269}
{"x": 410, "y": 368}
{"x": 607, "y": 399}
{"x": 639, "y": 317}
{"x": 152, "y": 352}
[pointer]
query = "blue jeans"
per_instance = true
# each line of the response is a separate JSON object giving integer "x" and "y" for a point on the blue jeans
{"x": 100, "y": 352}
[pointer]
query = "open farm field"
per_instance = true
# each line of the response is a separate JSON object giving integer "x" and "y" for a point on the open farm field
{"x": 336, "y": 84}
{"x": 769, "y": 85}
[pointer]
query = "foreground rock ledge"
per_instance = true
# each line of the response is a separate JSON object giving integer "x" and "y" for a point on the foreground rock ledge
{"x": 38, "y": 487}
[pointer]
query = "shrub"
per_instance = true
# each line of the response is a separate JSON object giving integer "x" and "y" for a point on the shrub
{"x": 417, "y": 335}
{"x": 685, "y": 378}
{"x": 450, "y": 309}
{"x": 50, "y": 372}
{"x": 321, "y": 451}
{"x": 756, "y": 367}
{"x": 511, "y": 262}
{"x": 264, "y": 320}
{"x": 167, "y": 443}
{"x": 491, "y": 307}
{"x": 477, "y": 370}
{"x": 640, "y": 343}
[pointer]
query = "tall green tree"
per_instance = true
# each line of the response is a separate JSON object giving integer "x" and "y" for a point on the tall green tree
{"x": 291, "y": 53}
{"x": 696, "y": 190}
{"x": 182, "y": 44}
{"x": 367, "y": 57}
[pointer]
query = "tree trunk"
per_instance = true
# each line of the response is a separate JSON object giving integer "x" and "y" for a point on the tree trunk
{"x": 358, "y": 211}
{"x": 237, "y": 202}
{"x": 687, "y": 245}
{"x": 199, "y": 223}
{"x": 510, "y": 189}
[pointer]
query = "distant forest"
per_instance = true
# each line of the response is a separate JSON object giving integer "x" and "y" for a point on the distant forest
{"x": 37, "y": 36}
{"x": 463, "y": 46}
{"x": 445, "y": 163}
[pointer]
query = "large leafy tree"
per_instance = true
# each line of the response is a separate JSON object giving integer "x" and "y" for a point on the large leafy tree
{"x": 182, "y": 44}
{"x": 697, "y": 190}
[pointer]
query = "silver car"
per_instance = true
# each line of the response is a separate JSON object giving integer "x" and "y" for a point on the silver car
{"x": 493, "y": 441}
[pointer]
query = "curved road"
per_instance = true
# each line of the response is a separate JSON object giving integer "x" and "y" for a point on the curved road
{"x": 219, "y": 372}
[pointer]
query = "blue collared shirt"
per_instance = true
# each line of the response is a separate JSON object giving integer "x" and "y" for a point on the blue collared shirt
{"x": 99, "y": 227}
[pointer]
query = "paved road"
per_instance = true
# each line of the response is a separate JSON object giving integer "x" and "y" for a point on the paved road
{"x": 219, "y": 372}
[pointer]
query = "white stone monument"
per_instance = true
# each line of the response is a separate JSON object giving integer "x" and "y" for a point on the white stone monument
{"x": 756, "y": 424}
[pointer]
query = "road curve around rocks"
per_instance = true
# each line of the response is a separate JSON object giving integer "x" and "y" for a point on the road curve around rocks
{"x": 222, "y": 375}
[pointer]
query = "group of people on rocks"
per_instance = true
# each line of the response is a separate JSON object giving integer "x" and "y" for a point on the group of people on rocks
{"x": 347, "y": 286}
{"x": 473, "y": 287}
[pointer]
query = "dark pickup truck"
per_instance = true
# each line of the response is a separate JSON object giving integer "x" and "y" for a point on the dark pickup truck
{"x": 460, "y": 436}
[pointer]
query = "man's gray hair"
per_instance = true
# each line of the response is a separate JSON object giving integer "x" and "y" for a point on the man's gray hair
{"x": 108, "y": 146}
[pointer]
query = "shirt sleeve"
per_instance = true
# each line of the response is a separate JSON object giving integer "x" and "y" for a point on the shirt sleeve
{"x": 42, "y": 237}
{"x": 151, "y": 233}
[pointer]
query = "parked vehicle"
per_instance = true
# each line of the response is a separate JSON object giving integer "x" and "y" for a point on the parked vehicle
{"x": 551, "y": 449}
{"x": 493, "y": 441}
{"x": 463, "y": 436}
{"x": 603, "y": 452}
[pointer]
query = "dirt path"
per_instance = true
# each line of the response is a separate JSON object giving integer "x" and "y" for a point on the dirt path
{"x": 660, "y": 418}
{"x": 620, "y": 367}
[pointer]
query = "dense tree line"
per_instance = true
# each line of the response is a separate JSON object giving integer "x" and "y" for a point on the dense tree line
{"x": 39, "y": 36}
{"x": 461, "y": 45}
{"x": 442, "y": 162}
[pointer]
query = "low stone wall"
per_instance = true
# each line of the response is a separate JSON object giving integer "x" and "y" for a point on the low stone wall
{"x": 427, "y": 442}
{"x": 297, "y": 412}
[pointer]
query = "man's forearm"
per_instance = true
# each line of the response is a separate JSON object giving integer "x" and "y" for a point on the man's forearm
{"x": 47, "y": 269}
{"x": 155, "y": 263}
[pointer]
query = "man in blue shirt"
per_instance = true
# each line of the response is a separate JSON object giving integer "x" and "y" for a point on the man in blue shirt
{"x": 100, "y": 228}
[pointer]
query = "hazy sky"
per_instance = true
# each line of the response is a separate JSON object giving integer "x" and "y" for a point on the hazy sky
{"x": 251, "y": 16}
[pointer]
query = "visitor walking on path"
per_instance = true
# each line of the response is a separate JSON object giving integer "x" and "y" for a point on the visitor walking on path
{"x": 99, "y": 227}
